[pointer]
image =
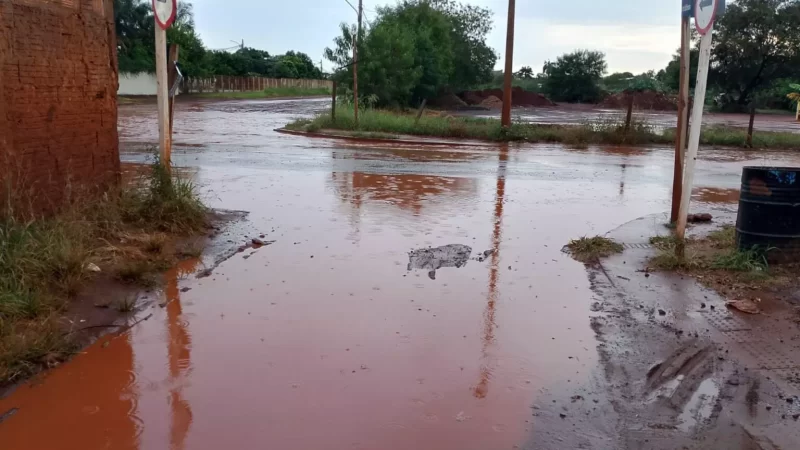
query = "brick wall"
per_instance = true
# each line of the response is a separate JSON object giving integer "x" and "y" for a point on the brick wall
{"x": 58, "y": 100}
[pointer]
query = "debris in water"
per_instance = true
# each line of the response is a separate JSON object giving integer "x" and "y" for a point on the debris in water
{"x": 744, "y": 305}
{"x": 482, "y": 257}
{"x": 432, "y": 259}
{"x": 697, "y": 218}
{"x": 461, "y": 417}
{"x": 186, "y": 289}
{"x": 8, "y": 414}
{"x": 661, "y": 312}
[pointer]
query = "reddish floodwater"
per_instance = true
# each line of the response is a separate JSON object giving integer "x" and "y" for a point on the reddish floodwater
{"x": 325, "y": 339}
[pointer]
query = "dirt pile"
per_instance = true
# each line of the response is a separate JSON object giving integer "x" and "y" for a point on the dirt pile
{"x": 519, "y": 97}
{"x": 491, "y": 102}
{"x": 642, "y": 100}
{"x": 447, "y": 101}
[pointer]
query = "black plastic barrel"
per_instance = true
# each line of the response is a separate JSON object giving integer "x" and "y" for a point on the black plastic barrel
{"x": 769, "y": 212}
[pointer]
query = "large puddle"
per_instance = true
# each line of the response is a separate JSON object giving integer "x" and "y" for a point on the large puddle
{"x": 330, "y": 338}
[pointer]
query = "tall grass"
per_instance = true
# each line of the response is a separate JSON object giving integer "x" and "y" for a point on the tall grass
{"x": 598, "y": 132}
{"x": 45, "y": 262}
{"x": 609, "y": 131}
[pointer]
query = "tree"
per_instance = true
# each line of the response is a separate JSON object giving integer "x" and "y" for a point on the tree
{"x": 473, "y": 59}
{"x": 671, "y": 78}
{"x": 617, "y": 81}
{"x": 447, "y": 41}
{"x": 524, "y": 73}
{"x": 575, "y": 77}
{"x": 756, "y": 42}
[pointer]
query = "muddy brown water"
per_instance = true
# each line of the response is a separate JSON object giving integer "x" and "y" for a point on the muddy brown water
{"x": 327, "y": 338}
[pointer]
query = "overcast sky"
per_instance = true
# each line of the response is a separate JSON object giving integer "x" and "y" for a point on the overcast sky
{"x": 636, "y": 35}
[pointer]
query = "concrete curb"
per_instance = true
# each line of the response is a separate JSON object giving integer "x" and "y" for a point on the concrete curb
{"x": 386, "y": 141}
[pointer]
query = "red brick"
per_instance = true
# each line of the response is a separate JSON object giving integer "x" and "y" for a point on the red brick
{"x": 58, "y": 100}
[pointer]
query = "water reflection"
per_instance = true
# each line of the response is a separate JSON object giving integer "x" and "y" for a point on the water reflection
{"x": 715, "y": 195}
{"x": 179, "y": 354}
{"x": 409, "y": 192}
{"x": 101, "y": 414}
{"x": 489, "y": 324}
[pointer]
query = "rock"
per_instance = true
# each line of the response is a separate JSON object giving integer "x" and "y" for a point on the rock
{"x": 186, "y": 289}
{"x": 92, "y": 267}
{"x": 661, "y": 312}
{"x": 744, "y": 305}
{"x": 699, "y": 218}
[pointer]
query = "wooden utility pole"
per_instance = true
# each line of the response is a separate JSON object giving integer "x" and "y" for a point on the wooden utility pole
{"x": 172, "y": 74}
{"x": 355, "y": 63}
{"x": 162, "y": 97}
{"x": 683, "y": 118}
{"x": 505, "y": 118}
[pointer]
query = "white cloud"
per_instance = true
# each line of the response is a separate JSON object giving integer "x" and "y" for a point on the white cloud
{"x": 635, "y": 48}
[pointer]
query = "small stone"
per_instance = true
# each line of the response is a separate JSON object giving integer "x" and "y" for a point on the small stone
{"x": 186, "y": 289}
{"x": 702, "y": 305}
{"x": 562, "y": 415}
{"x": 661, "y": 312}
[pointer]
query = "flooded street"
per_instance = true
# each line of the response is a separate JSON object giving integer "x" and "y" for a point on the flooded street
{"x": 331, "y": 337}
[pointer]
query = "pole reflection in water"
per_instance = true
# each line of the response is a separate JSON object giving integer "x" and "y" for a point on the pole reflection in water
{"x": 179, "y": 354}
{"x": 482, "y": 389}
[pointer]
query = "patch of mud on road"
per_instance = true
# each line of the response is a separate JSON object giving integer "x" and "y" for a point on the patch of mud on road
{"x": 680, "y": 371}
{"x": 433, "y": 259}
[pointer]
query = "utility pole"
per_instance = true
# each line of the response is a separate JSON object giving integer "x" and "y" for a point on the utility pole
{"x": 683, "y": 118}
{"x": 505, "y": 119}
{"x": 355, "y": 63}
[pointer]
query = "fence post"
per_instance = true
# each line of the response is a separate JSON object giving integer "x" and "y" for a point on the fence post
{"x": 629, "y": 116}
{"x": 333, "y": 102}
{"x": 750, "y": 126}
{"x": 421, "y": 109}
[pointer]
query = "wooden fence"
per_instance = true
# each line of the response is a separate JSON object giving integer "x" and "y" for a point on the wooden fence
{"x": 225, "y": 83}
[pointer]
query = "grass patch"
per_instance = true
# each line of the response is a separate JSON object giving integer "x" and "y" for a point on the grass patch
{"x": 717, "y": 262}
{"x": 46, "y": 262}
{"x": 607, "y": 131}
{"x": 269, "y": 93}
{"x": 591, "y": 249}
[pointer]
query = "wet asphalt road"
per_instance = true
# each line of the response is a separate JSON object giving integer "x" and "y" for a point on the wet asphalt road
{"x": 325, "y": 339}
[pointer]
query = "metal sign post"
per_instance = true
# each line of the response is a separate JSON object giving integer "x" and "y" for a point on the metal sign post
{"x": 164, "y": 13}
{"x": 705, "y": 13}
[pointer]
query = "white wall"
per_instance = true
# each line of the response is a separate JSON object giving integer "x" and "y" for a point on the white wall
{"x": 137, "y": 84}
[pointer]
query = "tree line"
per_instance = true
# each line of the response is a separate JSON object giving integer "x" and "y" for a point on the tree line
{"x": 136, "y": 48}
{"x": 755, "y": 60}
{"x": 421, "y": 48}
{"x": 416, "y": 50}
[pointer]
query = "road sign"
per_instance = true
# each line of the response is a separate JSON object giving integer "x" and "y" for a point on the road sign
{"x": 687, "y": 8}
{"x": 705, "y": 12}
{"x": 165, "y": 11}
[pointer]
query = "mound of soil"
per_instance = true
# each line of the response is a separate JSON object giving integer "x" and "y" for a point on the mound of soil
{"x": 492, "y": 102}
{"x": 519, "y": 97}
{"x": 642, "y": 100}
{"x": 447, "y": 101}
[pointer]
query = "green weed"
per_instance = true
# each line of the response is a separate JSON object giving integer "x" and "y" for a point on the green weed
{"x": 591, "y": 249}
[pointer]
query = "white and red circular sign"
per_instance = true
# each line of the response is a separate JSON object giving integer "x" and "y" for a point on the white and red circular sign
{"x": 165, "y": 11}
{"x": 705, "y": 13}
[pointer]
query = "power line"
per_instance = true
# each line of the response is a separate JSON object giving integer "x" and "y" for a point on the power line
{"x": 351, "y": 5}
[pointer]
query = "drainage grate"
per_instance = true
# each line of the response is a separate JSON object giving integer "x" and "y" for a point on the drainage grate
{"x": 643, "y": 246}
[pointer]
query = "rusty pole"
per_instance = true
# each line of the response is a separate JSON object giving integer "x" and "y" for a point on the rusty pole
{"x": 683, "y": 118}
{"x": 505, "y": 119}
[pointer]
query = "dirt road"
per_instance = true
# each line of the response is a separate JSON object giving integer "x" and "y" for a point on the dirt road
{"x": 346, "y": 332}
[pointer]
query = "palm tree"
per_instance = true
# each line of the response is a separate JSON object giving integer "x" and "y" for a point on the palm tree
{"x": 795, "y": 97}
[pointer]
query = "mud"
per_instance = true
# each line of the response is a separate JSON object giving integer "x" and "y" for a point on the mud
{"x": 433, "y": 259}
{"x": 323, "y": 339}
